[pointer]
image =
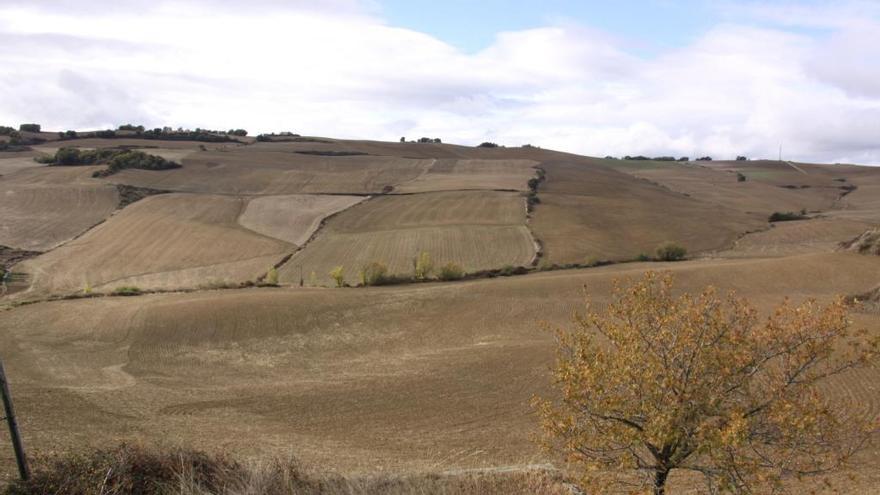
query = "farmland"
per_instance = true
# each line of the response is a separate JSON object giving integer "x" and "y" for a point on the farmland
{"x": 412, "y": 378}
{"x": 166, "y": 241}
{"x": 451, "y": 226}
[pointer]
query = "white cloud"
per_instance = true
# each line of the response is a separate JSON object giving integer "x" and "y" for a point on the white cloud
{"x": 337, "y": 69}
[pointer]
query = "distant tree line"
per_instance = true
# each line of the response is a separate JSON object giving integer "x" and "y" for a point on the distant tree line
{"x": 422, "y": 140}
{"x": 272, "y": 136}
{"x": 739, "y": 158}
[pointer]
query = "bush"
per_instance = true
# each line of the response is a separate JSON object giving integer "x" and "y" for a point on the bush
{"x": 237, "y": 132}
{"x": 487, "y": 144}
{"x": 787, "y": 216}
{"x": 272, "y": 276}
{"x": 742, "y": 158}
{"x": 684, "y": 159}
{"x": 740, "y": 177}
{"x": 451, "y": 271}
{"x": 29, "y": 128}
{"x": 704, "y": 159}
{"x": 338, "y": 276}
{"x": 423, "y": 266}
{"x": 126, "y": 290}
{"x": 374, "y": 273}
{"x": 638, "y": 158}
{"x": 643, "y": 257}
{"x": 664, "y": 158}
{"x": 6, "y": 131}
{"x": 670, "y": 251}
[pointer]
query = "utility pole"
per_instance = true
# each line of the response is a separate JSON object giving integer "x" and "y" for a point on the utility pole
{"x": 20, "y": 458}
{"x": 780, "y": 152}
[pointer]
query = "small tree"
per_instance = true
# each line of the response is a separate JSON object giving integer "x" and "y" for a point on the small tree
{"x": 29, "y": 128}
{"x": 338, "y": 276}
{"x": 423, "y": 266}
{"x": 698, "y": 383}
{"x": 670, "y": 251}
{"x": 272, "y": 276}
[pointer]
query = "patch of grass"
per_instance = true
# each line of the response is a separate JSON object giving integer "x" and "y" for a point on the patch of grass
{"x": 127, "y": 290}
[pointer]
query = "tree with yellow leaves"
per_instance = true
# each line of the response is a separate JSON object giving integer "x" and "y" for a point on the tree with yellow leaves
{"x": 657, "y": 383}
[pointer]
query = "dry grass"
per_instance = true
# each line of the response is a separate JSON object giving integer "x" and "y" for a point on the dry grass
{"x": 138, "y": 470}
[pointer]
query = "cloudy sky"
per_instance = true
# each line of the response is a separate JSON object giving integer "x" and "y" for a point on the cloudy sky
{"x": 654, "y": 77}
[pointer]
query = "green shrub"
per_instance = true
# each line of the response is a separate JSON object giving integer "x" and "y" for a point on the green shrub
{"x": 127, "y": 291}
{"x": 451, "y": 271}
{"x": 740, "y": 177}
{"x": 338, "y": 276}
{"x": 787, "y": 216}
{"x": 423, "y": 266}
{"x": 29, "y": 128}
{"x": 670, "y": 251}
{"x": 643, "y": 257}
{"x": 272, "y": 276}
{"x": 374, "y": 273}
{"x": 487, "y": 144}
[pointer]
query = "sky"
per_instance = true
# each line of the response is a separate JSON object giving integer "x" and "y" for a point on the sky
{"x": 653, "y": 77}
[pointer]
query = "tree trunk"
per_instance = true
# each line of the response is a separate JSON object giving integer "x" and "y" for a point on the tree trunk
{"x": 660, "y": 482}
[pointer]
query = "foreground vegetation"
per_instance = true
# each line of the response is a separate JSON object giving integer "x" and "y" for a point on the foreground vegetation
{"x": 138, "y": 470}
{"x": 657, "y": 383}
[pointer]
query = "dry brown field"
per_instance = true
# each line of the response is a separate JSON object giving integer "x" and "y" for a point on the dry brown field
{"x": 41, "y": 207}
{"x": 475, "y": 229}
{"x": 292, "y": 218}
{"x": 405, "y": 379}
{"x": 162, "y": 242}
{"x": 400, "y": 380}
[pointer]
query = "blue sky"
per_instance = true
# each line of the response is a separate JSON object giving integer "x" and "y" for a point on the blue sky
{"x": 651, "y": 77}
{"x": 649, "y": 25}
